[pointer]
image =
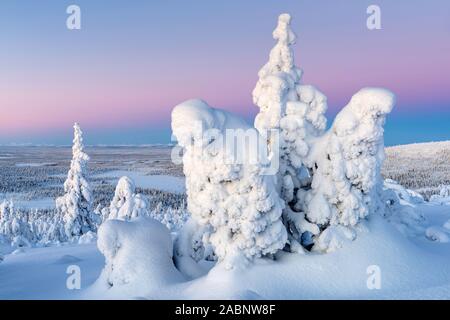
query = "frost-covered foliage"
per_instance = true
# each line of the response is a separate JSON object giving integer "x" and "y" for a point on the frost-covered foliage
{"x": 237, "y": 206}
{"x": 325, "y": 178}
{"x": 126, "y": 204}
{"x": 75, "y": 206}
{"x": 443, "y": 196}
{"x": 346, "y": 163}
{"x": 326, "y": 181}
{"x": 14, "y": 227}
{"x": 297, "y": 112}
{"x": 173, "y": 218}
{"x": 190, "y": 248}
{"x": 138, "y": 256}
{"x": 22, "y": 227}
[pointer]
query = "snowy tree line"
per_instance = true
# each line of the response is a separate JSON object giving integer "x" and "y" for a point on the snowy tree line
{"x": 425, "y": 167}
{"x": 75, "y": 219}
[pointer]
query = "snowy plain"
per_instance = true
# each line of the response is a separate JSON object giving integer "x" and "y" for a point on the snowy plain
{"x": 414, "y": 268}
{"x": 413, "y": 265}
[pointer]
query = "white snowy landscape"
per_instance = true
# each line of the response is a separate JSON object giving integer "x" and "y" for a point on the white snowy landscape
{"x": 302, "y": 209}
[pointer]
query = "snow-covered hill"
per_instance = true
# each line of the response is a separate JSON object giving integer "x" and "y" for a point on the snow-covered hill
{"x": 423, "y": 167}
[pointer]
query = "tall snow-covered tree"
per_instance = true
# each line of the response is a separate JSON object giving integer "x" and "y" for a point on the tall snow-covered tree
{"x": 238, "y": 208}
{"x": 126, "y": 204}
{"x": 75, "y": 206}
{"x": 297, "y": 112}
{"x": 325, "y": 178}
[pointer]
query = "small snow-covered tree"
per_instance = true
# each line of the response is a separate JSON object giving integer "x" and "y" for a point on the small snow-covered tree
{"x": 14, "y": 225}
{"x": 126, "y": 204}
{"x": 75, "y": 206}
{"x": 238, "y": 208}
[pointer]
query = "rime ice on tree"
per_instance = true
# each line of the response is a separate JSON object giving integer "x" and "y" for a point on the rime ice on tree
{"x": 347, "y": 182}
{"x": 297, "y": 111}
{"x": 75, "y": 206}
{"x": 326, "y": 179}
{"x": 237, "y": 206}
{"x": 126, "y": 204}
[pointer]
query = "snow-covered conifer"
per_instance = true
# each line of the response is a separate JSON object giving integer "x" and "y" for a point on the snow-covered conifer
{"x": 14, "y": 225}
{"x": 239, "y": 207}
{"x": 347, "y": 182}
{"x": 297, "y": 112}
{"x": 75, "y": 206}
{"x": 126, "y": 204}
{"x": 349, "y": 155}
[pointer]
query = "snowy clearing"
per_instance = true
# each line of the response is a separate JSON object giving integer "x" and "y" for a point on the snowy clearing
{"x": 142, "y": 180}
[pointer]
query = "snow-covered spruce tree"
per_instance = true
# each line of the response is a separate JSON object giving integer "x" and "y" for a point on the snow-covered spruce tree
{"x": 347, "y": 161}
{"x": 327, "y": 180}
{"x": 126, "y": 204}
{"x": 238, "y": 208}
{"x": 75, "y": 206}
{"x": 14, "y": 225}
{"x": 297, "y": 112}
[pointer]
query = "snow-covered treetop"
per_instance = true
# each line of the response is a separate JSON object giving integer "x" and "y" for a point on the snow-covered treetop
{"x": 278, "y": 78}
{"x": 281, "y": 56}
{"x": 125, "y": 188}
{"x": 367, "y": 109}
{"x": 192, "y": 120}
{"x": 79, "y": 160}
{"x": 78, "y": 146}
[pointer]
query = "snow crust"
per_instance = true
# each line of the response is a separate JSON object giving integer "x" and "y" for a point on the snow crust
{"x": 138, "y": 256}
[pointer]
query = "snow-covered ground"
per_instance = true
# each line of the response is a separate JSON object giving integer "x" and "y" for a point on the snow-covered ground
{"x": 159, "y": 182}
{"x": 41, "y": 273}
{"x": 411, "y": 268}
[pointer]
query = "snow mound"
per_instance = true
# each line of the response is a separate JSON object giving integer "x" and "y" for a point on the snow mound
{"x": 138, "y": 257}
{"x": 443, "y": 197}
{"x": 437, "y": 234}
{"x": 407, "y": 195}
{"x": 401, "y": 209}
{"x": 87, "y": 238}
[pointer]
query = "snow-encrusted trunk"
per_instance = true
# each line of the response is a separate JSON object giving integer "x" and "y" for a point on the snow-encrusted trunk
{"x": 75, "y": 206}
{"x": 238, "y": 208}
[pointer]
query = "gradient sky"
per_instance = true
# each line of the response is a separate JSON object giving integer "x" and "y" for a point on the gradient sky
{"x": 133, "y": 61}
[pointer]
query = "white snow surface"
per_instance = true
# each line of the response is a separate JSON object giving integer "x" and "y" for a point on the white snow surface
{"x": 411, "y": 268}
{"x": 159, "y": 182}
